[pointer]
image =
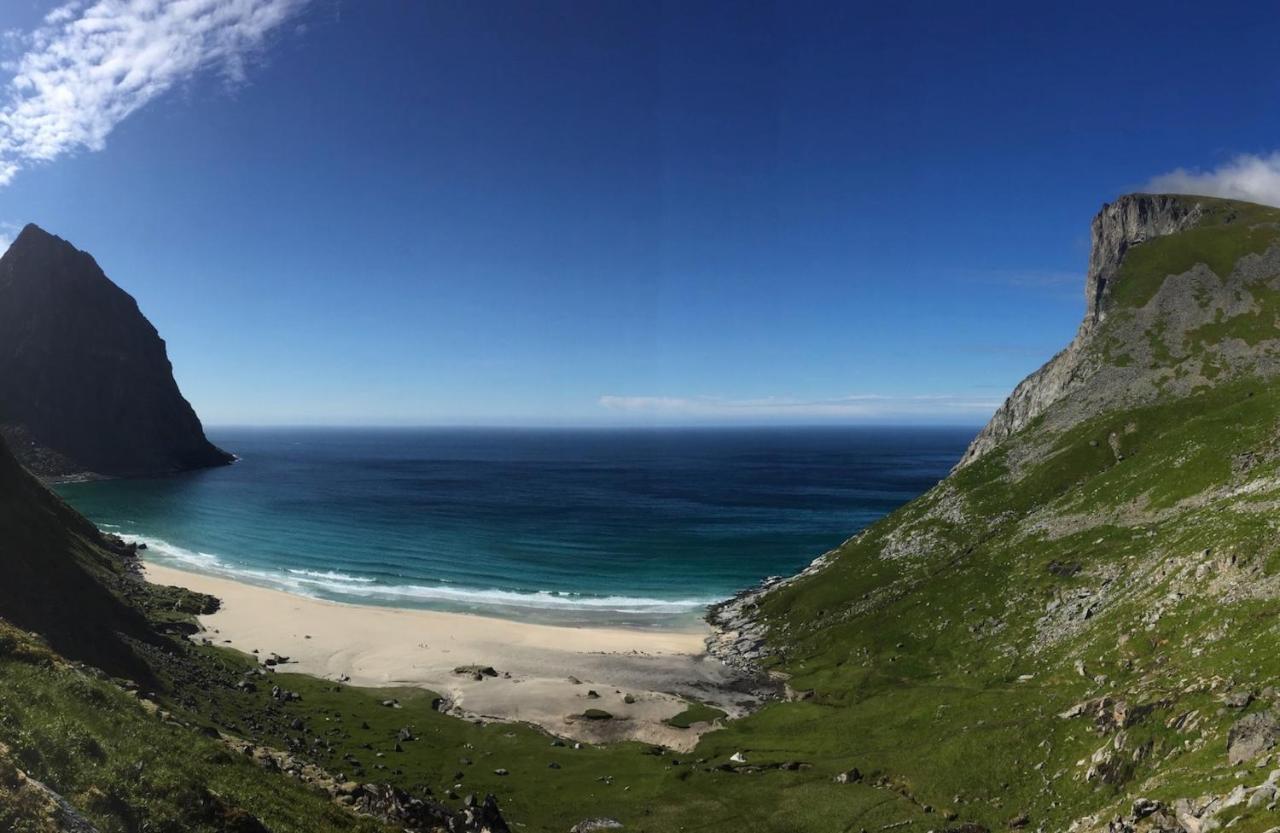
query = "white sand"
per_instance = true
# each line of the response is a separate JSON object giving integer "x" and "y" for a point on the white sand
{"x": 382, "y": 646}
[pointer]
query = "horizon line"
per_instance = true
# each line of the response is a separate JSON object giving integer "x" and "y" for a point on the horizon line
{"x": 588, "y": 426}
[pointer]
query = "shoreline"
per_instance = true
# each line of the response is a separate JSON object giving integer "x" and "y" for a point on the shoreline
{"x": 543, "y": 673}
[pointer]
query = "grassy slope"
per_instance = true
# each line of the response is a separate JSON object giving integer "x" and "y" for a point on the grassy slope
{"x": 124, "y": 768}
{"x": 916, "y": 662}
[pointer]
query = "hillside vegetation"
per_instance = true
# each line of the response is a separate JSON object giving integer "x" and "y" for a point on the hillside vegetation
{"x": 1076, "y": 620}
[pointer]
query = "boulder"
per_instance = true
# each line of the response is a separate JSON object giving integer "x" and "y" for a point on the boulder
{"x": 596, "y": 825}
{"x": 1251, "y": 736}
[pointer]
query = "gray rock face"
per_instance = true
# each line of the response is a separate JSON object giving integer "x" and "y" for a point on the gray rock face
{"x": 1123, "y": 224}
{"x": 1118, "y": 227}
{"x": 85, "y": 381}
{"x": 1251, "y": 736}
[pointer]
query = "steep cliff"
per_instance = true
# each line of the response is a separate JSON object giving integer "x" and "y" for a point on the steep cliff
{"x": 1129, "y": 221}
{"x": 85, "y": 382}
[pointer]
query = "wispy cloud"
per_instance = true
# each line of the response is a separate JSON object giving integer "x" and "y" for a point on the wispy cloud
{"x": 1244, "y": 177}
{"x": 856, "y": 406}
{"x": 90, "y": 65}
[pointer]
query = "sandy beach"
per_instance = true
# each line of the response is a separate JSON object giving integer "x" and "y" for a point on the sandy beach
{"x": 544, "y": 672}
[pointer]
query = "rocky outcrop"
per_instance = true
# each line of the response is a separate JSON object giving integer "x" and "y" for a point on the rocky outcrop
{"x": 1251, "y": 736}
{"x": 1123, "y": 224}
{"x": 86, "y": 387}
{"x": 42, "y": 809}
{"x": 1119, "y": 226}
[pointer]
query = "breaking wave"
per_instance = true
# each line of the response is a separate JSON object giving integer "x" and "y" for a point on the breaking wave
{"x": 340, "y": 586}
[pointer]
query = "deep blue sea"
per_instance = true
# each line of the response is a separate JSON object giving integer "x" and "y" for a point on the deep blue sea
{"x": 637, "y": 527}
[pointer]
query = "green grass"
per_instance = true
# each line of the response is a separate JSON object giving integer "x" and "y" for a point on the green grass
{"x": 696, "y": 713}
{"x": 126, "y": 770}
{"x": 1227, "y": 232}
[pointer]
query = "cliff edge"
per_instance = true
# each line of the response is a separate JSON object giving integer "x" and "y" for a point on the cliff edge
{"x": 86, "y": 387}
{"x": 1121, "y": 225}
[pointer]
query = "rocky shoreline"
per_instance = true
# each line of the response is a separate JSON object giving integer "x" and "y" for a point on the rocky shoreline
{"x": 739, "y": 638}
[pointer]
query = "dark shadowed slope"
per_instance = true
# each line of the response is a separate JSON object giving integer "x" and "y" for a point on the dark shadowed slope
{"x": 85, "y": 382}
{"x": 57, "y": 570}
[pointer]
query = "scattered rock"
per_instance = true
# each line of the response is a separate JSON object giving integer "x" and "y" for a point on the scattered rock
{"x": 1237, "y": 699}
{"x": 1063, "y": 569}
{"x": 851, "y": 776}
{"x": 596, "y": 825}
{"x": 1109, "y": 714}
{"x": 1143, "y": 807}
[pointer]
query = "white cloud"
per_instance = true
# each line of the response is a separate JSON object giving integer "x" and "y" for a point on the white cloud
{"x": 858, "y": 406}
{"x": 90, "y": 66}
{"x": 1245, "y": 177}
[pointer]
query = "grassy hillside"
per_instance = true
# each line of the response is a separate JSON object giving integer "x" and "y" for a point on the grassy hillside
{"x": 123, "y": 766}
{"x": 1127, "y": 552}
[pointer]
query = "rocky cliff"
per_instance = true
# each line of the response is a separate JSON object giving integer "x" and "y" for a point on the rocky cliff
{"x": 86, "y": 387}
{"x": 1129, "y": 221}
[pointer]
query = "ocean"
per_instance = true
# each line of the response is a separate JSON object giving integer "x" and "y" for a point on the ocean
{"x": 631, "y": 527}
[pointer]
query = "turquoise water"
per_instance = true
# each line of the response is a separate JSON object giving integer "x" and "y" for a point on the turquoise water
{"x": 637, "y": 527}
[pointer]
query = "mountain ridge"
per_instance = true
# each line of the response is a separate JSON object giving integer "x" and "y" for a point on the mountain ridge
{"x": 87, "y": 388}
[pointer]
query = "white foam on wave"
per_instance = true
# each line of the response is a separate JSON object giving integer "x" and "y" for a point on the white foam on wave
{"x": 332, "y": 575}
{"x": 346, "y": 587}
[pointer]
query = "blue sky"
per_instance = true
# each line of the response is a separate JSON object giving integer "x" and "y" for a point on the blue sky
{"x": 614, "y": 212}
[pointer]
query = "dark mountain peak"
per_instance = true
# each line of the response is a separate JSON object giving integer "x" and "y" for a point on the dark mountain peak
{"x": 85, "y": 380}
{"x": 39, "y": 257}
{"x": 34, "y": 240}
{"x": 32, "y": 232}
